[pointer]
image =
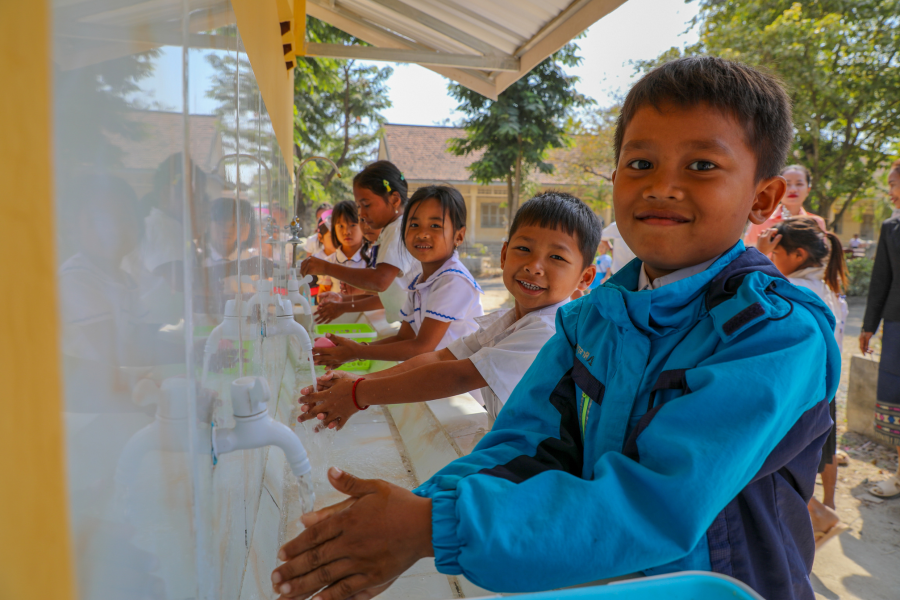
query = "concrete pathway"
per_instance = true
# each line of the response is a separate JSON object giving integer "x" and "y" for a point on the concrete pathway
{"x": 864, "y": 562}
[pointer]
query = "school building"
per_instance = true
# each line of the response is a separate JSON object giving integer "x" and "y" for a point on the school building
{"x": 421, "y": 152}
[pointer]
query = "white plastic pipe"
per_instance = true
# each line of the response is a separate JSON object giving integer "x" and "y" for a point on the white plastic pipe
{"x": 259, "y": 431}
{"x": 254, "y": 428}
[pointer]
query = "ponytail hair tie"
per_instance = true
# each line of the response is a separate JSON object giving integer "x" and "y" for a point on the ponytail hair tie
{"x": 386, "y": 185}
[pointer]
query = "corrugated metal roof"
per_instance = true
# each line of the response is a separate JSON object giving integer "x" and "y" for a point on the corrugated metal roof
{"x": 484, "y": 44}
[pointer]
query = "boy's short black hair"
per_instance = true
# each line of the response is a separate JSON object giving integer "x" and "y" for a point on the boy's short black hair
{"x": 452, "y": 203}
{"x": 559, "y": 210}
{"x": 756, "y": 99}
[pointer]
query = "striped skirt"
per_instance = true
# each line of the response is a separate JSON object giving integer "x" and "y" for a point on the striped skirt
{"x": 887, "y": 403}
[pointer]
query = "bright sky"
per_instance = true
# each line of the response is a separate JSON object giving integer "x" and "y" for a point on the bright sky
{"x": 637, "y": 30}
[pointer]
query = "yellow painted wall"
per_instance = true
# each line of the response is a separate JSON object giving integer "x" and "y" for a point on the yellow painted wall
{"x": 35, "y": 557}
{"x": 258, "y": 23}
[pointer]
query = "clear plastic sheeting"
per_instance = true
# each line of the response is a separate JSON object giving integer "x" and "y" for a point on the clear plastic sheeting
{"x": 170, "y": 191}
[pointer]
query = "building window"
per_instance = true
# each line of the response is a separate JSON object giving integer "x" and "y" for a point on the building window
{"x": 492, "y": 216}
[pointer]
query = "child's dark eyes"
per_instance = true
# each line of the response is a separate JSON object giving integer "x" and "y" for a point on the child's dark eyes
{"x": 640, "y": 164}
{"x": 701, "y": 165}
{"x": 557, "y": 257}
{"x": 523, "y": 248}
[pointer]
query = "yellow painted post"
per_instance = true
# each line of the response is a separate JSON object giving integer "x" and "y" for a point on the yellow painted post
{"x": 300, "y": 27}
{"x": 259, "y": 26}
{"x": 35, "y": 556}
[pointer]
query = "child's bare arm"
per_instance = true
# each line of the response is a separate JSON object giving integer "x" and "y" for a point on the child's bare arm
{"x": 334, "y": 406}
{"x": 406, "y": 346}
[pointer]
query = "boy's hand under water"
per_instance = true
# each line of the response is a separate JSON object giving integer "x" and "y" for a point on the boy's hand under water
{"x": 332, "y": 405}
{"x": 358, "y": 547}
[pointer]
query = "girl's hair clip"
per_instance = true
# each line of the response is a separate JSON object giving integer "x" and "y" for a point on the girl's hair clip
{"x": 401, "y": 177}
{"x": 386, "y": 185}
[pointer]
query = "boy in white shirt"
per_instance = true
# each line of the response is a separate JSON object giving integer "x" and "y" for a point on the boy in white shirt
{"x": 550, "y": 252}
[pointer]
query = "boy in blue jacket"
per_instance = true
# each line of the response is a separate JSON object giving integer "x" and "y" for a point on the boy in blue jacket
{"x": 665, "y": 426}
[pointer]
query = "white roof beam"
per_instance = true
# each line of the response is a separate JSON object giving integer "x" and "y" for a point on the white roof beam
{"x": 422, "y": 57}
{"x": 368, "y": 32}
{"x": 580, "y": 15}
{"x": 440, "y": 26}
{"x": 153, "y": 37}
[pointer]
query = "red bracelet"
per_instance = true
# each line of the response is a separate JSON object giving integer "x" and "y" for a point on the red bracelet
{"x": 353, "y": 394}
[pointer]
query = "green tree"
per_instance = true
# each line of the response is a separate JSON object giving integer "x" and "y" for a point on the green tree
{"x": 589, "y": 159}
{"x": 338, "y": 115}
{"x": 840, "y": 60}
{"x": 516, "y": 131}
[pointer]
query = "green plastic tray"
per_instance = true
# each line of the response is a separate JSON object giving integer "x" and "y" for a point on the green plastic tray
{"x": 354, "y": 331}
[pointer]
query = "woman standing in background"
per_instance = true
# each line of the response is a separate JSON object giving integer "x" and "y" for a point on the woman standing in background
{"x": 884, "y": 303}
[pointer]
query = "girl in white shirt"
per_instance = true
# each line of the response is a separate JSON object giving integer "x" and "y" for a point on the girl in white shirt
{"x": 222, "y": 244}
{"x": 443, "y": 298}
{"x": 814, "y": 259}
{"x": 380, "y": 193}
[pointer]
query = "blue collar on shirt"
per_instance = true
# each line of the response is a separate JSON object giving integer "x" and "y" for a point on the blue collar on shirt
{"x": 451, "y": 267}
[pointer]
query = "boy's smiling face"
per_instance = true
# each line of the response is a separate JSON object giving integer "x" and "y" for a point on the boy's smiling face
{"x": 685, "y": 186}
{"x": 542, "y": 266}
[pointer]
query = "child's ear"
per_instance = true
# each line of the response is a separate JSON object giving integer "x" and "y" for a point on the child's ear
{"x": 459, "y": 236}
{"x": 396, "y": 201}
{"x": 769, "y": 193}
{"x": 503, "y": 254}
{"x": 587, "y": 277}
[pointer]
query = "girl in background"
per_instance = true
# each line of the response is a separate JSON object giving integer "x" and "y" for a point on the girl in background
{"x": 443, "y": 298}
{"x": 350, "y": 299}
{"x": 380, "y": 193}
{"x": 815, "y": 260}
{"x": 222, "y": 237}
{"x": 327, "y": 248}
{"x": 799, "y": 185}
{"x": 313, "y": 243}
{"x": 347, "y": 235}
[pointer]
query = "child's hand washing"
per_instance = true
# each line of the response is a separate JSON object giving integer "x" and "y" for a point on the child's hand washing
{"x": 344, "y": 350}
{"x": 332, "y": 406}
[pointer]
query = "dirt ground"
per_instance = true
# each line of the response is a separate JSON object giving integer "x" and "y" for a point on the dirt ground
{"x": 864, "y": 562}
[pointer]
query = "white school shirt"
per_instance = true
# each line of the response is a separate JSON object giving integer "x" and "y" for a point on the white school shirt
{"x": 392, "y": 251}
{"x": 339, "y": 258}
{"x": 503, "y": 349}
{"x": 813, "y": 279}
{"x": 451, "y": 295}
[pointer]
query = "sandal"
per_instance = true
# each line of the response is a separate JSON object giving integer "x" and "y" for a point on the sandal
{"x": 823, "y": 537}
{"x": 889, "y": 488}
{"x": 841, "y": 458}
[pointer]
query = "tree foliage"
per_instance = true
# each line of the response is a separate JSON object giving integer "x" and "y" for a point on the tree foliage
{"x": 840, "y": 60}
{"x": 515, "y": 131}
{"x": 338, "y": 106}
{"x": 589, "y": 159}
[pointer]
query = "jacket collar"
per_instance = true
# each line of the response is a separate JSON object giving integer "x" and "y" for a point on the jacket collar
{"x": 663, "y": 310}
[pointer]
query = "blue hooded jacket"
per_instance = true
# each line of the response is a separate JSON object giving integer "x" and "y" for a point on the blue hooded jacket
{"x": 657, "y": 431}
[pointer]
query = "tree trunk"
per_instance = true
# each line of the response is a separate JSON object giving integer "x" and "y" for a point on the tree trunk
{"x": 345, "y": 126}
{"x": 517, "y": 188}
{"x": 510, "y": 210}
